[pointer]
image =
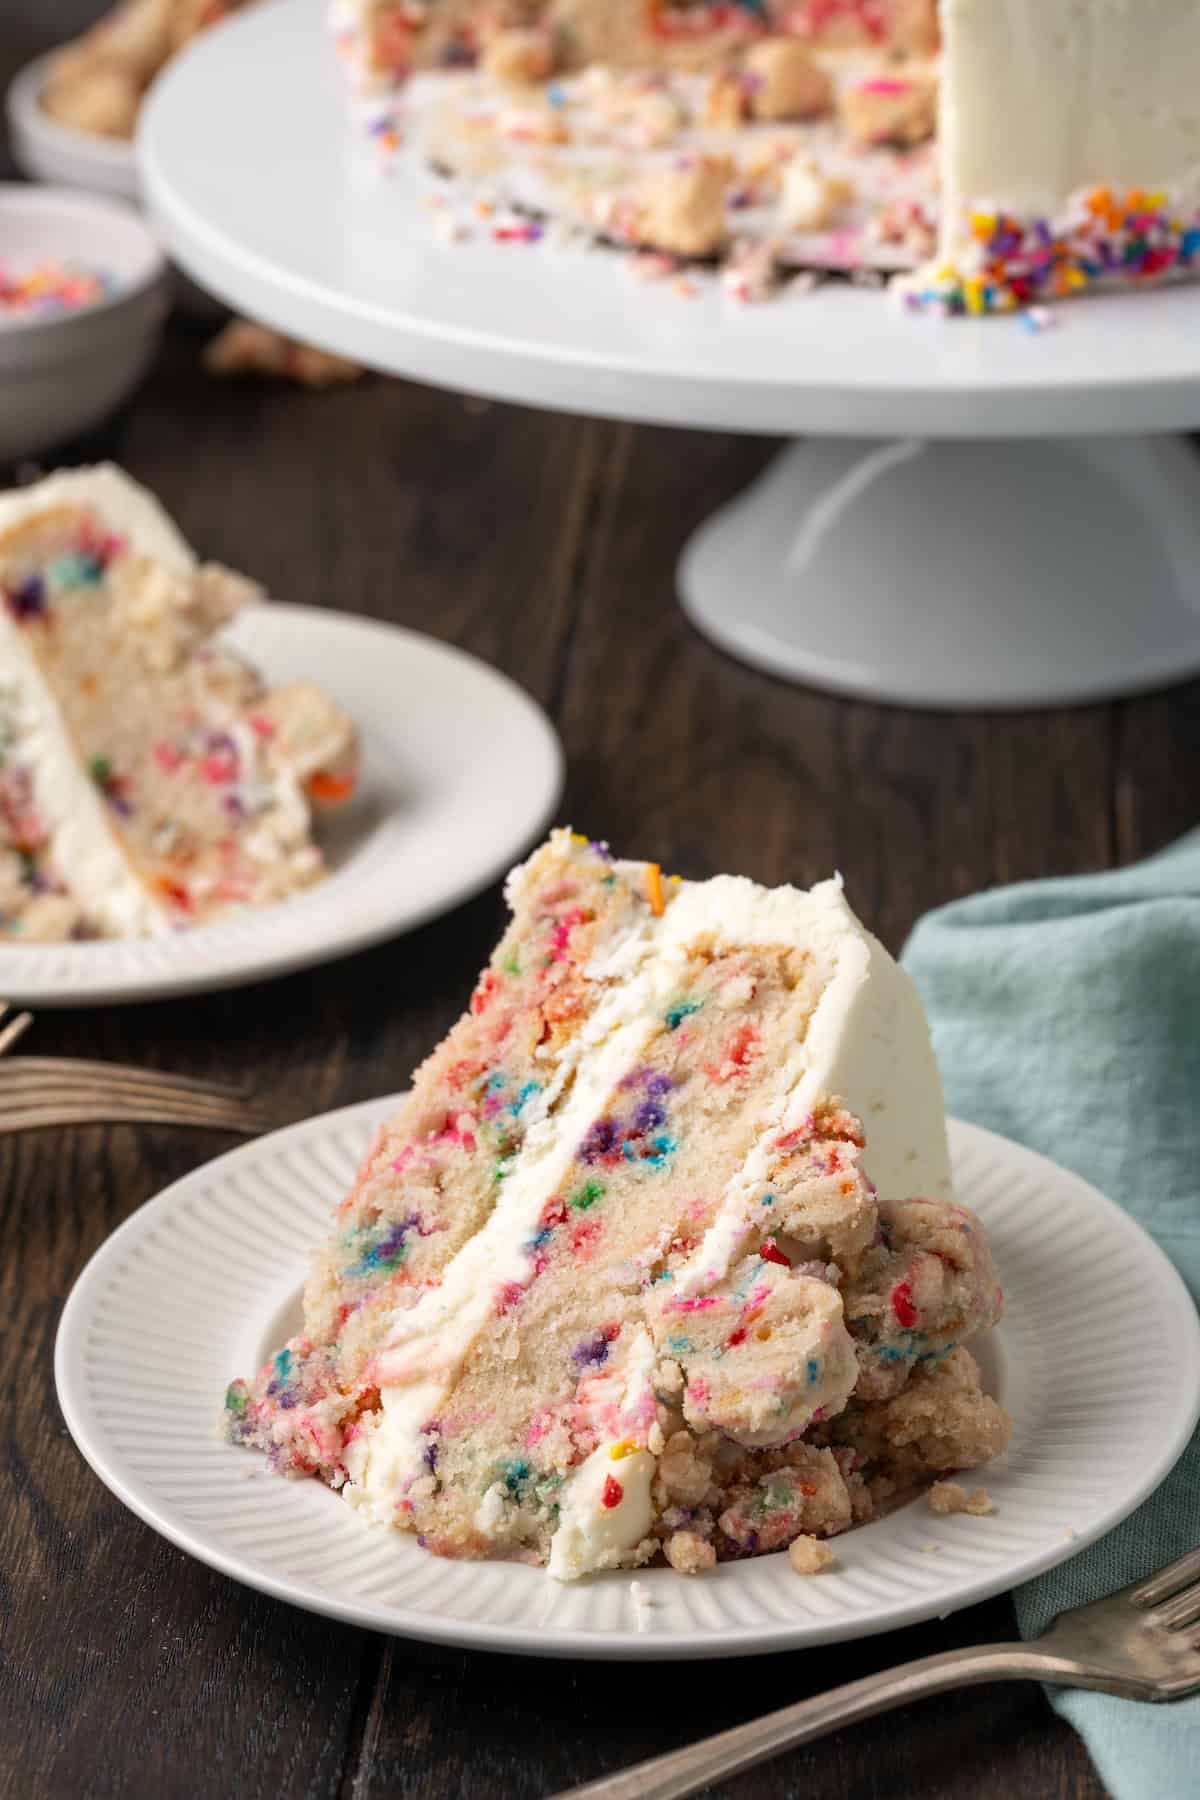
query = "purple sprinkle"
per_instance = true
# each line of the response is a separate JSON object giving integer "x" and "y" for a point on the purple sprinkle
{"x": 431, "y": 1457}
{"x": 603, "y": 1138}
{"x": 649, "y": 1116}
{"x": 591, "y": 1352}
{"x": 28, "y": 599}
{"x": 649, "y": 1080}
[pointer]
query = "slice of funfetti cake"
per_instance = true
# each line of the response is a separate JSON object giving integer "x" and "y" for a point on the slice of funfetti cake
{"x": 617, "y": 1278}
{"x": 149, "y": 779}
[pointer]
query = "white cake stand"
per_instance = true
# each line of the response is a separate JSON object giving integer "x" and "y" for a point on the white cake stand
{"x": 977, "y": 516}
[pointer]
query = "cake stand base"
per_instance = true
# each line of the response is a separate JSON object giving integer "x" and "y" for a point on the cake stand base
{"x": 960, "y": 575}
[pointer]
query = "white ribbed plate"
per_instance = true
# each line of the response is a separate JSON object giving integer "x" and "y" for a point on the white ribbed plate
{"x": 1100, "y": 1350}
{"x": 461, "y": 771}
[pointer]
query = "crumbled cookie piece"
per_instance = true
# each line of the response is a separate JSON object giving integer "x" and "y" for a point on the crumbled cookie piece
{"x": 951, "y": 1497}
{"x": 680, "y": 207}
{"x": 807, "y": 1494}
{"x": 684, "y": 1475}
{"x": 520, "y": 58}
{"x": 103, "y": 99}
{"x": 97, "y": 83}
{"x": 689, "y": 1553}
{"x": 894, "y": 108}
{"x": 783, "y": 81}
{"x": 808, "y": 1555}
{"x": 244, "y": 348}
{"x": 810, "y": 199}
{"x": 532, "y": 120}
{"x": 913, "y": 27}
{"x": 726, "y": 101}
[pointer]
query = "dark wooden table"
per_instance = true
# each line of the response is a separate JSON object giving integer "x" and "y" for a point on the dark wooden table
{"x": 546, "y": 545}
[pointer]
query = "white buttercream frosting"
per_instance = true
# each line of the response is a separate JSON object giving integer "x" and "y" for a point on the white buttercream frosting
{"x": 81, "y": 846}
{"x": 427, "y": 1344}
{"x": 1041, "y": 98}
{"x": 606, "y": 1505}
{"x": 867, "y": 1044}
{"x": 126, "y": 508}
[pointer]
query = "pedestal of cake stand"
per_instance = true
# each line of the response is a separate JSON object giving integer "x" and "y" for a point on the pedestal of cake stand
{"x": 1003, "y": 574}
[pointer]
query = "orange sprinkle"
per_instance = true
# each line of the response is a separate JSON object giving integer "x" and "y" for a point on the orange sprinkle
{"x": 323, "y": 786}
{"x": 654, "y": 888}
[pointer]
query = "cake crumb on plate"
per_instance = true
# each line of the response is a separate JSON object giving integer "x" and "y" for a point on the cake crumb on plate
{"x": 808, "y": 1555}
{"x": 951, "y": 1497}
{"x": 689, "y": 1553}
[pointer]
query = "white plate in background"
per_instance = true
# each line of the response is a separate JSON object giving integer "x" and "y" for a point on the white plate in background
{"x": 461, "y": 772}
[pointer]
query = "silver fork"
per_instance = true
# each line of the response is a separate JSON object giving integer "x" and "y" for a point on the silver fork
{"x": 1142, "y": 1643}
{"x": 40, "y": 1092}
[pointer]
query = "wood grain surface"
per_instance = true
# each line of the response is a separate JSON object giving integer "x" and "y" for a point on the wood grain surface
{"x": 547, "y": 545}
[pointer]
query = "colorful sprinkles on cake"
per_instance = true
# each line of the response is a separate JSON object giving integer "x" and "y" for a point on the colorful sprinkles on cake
{"x": 1105, "y": 240}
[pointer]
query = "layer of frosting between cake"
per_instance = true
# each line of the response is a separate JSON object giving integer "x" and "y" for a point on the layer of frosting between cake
{"x": 592, "y": 1532}
{"x": 81, "y": 843}
{"x": 426, "y": 1344}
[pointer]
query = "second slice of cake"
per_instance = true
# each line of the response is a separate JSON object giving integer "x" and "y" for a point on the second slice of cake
{"x": 149, "y": 779}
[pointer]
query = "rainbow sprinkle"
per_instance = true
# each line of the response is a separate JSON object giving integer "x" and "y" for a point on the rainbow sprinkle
{"x": 1105, "y": 240}
{"x": 48, "y": 289}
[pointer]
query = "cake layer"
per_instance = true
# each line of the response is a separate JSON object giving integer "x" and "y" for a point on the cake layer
{"x": 618, "y": 1257}
{"x": 148, "y": 779}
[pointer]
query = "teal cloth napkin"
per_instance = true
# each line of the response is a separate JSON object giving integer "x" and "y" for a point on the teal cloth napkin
{"x": 1066, "y": 1014}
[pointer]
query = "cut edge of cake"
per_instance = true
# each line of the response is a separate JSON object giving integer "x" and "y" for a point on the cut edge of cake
{"x": 62, "y": 812}
{"x": 80, "y": 838}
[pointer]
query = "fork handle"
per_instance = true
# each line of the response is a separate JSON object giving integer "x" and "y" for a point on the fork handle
{"x": 712, "y": 1759}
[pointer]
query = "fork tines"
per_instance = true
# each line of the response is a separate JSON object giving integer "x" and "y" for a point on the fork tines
{"x": 39, "y": 1092}
{"x": 1182, "y": 1574}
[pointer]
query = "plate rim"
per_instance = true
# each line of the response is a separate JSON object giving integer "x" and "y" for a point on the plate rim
{"x": 236, "y": 969}
{"x": 600, "y": 1646}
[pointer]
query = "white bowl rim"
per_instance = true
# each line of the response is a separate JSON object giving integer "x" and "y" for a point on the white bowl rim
{"x": 26, "y": 112}
{"x": 35, "y": 197}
